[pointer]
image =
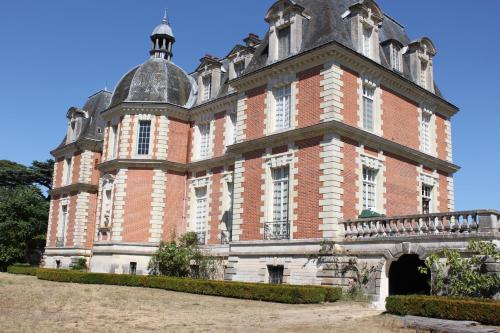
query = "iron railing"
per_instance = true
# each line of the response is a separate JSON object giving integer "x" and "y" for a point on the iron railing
{"x": 277, "y": 230}
{"x": 202, "y": 237}
{"x": 226, "y": 237}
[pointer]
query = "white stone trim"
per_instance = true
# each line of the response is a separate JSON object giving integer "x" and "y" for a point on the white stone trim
{"x": 162, "y": 140}
{"x": 203, "y": 119}
{"x": 239, "y": 179}
{"x": 152, "y": 134}
{"x": 119, "y": 204}
{"x": 451, "y": 194}
{"x": 270, "y": 103}
{"x": 332, "y": 191}
{"x": 374, "y": 83}
{"x": 241, "y": 117}
{"x": 331, "y": 93}
{"x": 125, "y": 133}
{"x": 448, "y": 140}
{"x": 86, "y": 167}
{"x": 429, "y": 179}
{"x": 373, "y": 162}
{"x": 157, "y": 206}
{"x": 81, "y": 218}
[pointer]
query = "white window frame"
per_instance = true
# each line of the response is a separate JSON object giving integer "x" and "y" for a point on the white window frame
{"x": 426, "y": 131}
{"x": 201, "y": 209}
{"x": 114, "y": 141}
{"x": 63, "y": 222}
{"x": 284, "y": 45}
{"x": 68, "y": 172}
{"x": 143, "y": 146}
{"x": 367, "y": 41}
{"x": 427, "y": 195}
{"x": 207, "y": 87}
{"x": 204, "y": 144}
{"x": 368, "y": 115}
{"x": 282, "y": 107}
{"x": 370, "y": 188}
{"x": 231, "y": 128}
{"x": 239, "y": 67}
{"x": 396, "y": 59}
{"x": 280, "y": 182}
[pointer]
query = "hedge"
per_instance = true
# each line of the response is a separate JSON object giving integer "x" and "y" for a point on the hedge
{"x": 485, "y": 311}
{"x": 21, "y": 269}
{"x": 291, "y": 294}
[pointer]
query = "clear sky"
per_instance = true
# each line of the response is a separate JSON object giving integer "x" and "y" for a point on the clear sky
{"x": 54, "y": 54}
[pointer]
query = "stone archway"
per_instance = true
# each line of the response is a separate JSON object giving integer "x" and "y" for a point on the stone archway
{"x": 404, "y": 277}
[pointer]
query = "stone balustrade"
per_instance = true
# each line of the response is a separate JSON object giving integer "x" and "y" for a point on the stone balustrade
{"x": 465, "y": 222}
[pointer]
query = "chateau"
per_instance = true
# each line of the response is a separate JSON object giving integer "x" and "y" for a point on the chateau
{"x": 328, "y": 128}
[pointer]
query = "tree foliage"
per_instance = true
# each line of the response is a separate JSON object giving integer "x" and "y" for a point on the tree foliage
{"x": 466, "y": 276}
{"x": 13, "y": 174}
{"x": 183, "y": 258}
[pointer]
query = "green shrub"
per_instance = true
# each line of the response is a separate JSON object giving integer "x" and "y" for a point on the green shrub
{"x": 485, "y": 311}
{"x": 254, "y": 291}
{"x": 80, "y": 265}
{"x": 21, "y": 269}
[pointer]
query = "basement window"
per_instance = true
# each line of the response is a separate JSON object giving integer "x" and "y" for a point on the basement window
{"x": 133, "y": 268}
{"x": 275, "y": 274}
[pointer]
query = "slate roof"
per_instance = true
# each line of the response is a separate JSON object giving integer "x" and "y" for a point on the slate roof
{"x": 157, "y": 80}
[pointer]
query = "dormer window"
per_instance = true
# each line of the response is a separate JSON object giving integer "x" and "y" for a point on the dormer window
{"x": 367, "y": 41}
{"x": 420, "y": 56}
{"x": 207, "y": 87}
{"x": 239, "y": 67}
{"x": 423, "y": 74}
{"x": 396, "y": 58}
{"x": 284, "y": 42}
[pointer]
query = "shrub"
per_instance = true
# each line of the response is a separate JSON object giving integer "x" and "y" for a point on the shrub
{"x": 22, "y": 269}
{"x": 80, "y": 265}
{"x": 485, "y": 311}
{"x": 253, "y": 291}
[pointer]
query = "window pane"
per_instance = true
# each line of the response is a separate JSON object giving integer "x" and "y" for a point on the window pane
{"x": 426, "y": 132}
{"x": 368, "y": 114}
{"x": 207, "y": 87}
{"x": 280, "y": 194}
{"x": 284, "y": 42}
{"x": 144, "y": 137}
{"x": 204, "y": 148}
{"x": 369, "y": 188}
{"x": 283, "y": 96}
{"x": 201, "y": 209}
{"x": 367, "y": 34}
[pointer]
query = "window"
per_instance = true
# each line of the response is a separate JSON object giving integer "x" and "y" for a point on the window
{"x": 106, "y": 209}
{"x": 239, "y": 67}
{"x": 284, "y": 42}
{"x": 201, "y": 212}
{"x": 396, "y": 58}
{"x": 230, "y": 190}
{"x": 61, "y": 237}
{"x": 133, "y": 268}
{"x": 423, "y": 74}
{"x": 275, "y": 274}
{"x": 280, "y": 178}
{"x": 232, "y": 118}
{"x": 207, "y": 87}
{"x": 426, "y": 199}
{"x": 144, "y": 137}
{"x": 368, "y": 103}
{"x": 204, "y": 142}
{"x": 369, "y": 189}
{"x": 67, "y": 171}
{"x": 283, "y": 96}
{"x": 426, "y": 132}
{"x": 114, "y": 141}
{"x": 367, "y": 40}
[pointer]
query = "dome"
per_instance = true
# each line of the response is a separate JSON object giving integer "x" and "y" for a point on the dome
{"x": 158, "y": 81}
{"x": 163, "y": 29}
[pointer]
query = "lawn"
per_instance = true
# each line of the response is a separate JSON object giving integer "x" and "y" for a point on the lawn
{"x": 31, "y": 305}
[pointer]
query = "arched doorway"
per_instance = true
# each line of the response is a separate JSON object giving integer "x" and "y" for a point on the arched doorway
{"x": 405, "y": 279}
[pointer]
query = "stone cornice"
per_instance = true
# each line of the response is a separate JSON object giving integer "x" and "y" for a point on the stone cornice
{"x": 167, "y": 109}
{"x": 352, "y": 60}
{"x": 79, "y": 145}
{"x": 211, "y": 163}
{"x": 76, "y": 187}
{"x": 136, "y": 163}
{"x": 361, "y": 136}
{"x": 214, "y": 105}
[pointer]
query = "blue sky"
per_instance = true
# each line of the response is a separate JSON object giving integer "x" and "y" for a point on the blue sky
{"x": 54, "y": 54}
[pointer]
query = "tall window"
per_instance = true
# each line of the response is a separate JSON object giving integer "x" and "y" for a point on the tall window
{"x": 114, "y": 141}
{"x": 239, "y": 67}
{"x": 106, "y": 207}
{"x": 201, "y": 212}
{"x": 368, "y": 106}
{"x": 207, "y": 87}
{"x": 61, "y": 237}
{"x": 144, "y": 137}
{"x": 280, "y": 178}
{"x": 367, "y": 42}
{"x": 204, "y": 142}
{"x": 67, "y": 171}
{"x": 232, "y": 118}
{"x": 284, "y": 42}
{"x": 283, "y": 97}
{"x": 426, "y": 132}
{"x": 369, "y": 189}
{"x": 230, "y": 190}
{"x": 426, "y": 199}
{"x": 423, "y": 74}
{"x": 396, "y": 58}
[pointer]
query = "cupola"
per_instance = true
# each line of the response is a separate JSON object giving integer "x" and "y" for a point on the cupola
{"x": 163, "y": 40}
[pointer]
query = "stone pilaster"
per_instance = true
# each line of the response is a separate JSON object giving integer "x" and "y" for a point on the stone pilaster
{"x": 239, "y": 171}
{"x": 162, "y": 139}
{"x": 125, "y": 134}
{"x": 332, "y": 105}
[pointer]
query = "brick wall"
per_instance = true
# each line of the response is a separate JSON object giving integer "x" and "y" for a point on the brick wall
{"x": 174, "y": 224}
{"x": 137, "y": 205}
{"x": 400, "y": 119}
{"x": 75, "y": 167}
{"x": 350, "y": 97}
{"x": 443, "y": 192}
{"x": 70, "y": 224}
{"x": 308, "y": 196}
{"x": 255, "y": 113}
{"x": 59, "y": 173}
{"x": 309, "y": 97}
{"x": 218, "y": 143}
{"x": 178, "y": 136}
{"x": 252, "y": 194}
{"x": 55, "y": 206}
{"x": 401, "y": 186}
{"x": 441, "y": 137}
{"x": 91, "y": 222}
{"x": 349, "y": 210}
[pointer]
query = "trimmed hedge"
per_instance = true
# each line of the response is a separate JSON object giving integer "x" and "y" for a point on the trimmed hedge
{"x": 22, "y": 270}
{"x": 253, "y": 291}
{"x": 485, "y": 311}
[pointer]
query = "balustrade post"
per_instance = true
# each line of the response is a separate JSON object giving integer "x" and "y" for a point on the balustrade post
{"x": 488, "y": 222}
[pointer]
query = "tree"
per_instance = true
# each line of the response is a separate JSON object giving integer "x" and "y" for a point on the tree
{"x": 457, "y": 275}
{"x": 23, "y": 218}
{"x": 183, "y": 258}
{"x": 13, "y": 174}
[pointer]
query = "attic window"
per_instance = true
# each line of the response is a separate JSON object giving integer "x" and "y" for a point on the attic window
{"x": 284, "y": 42}
{"x": 396, "y": 58}
{"x": 99, "y": 130}
{"x": 207, "y": 86}
{"x": 239, "y": 67}
{"x": 367, "y": 40}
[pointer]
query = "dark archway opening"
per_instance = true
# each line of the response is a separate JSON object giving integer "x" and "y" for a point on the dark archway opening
{"x": 405, "y": 279}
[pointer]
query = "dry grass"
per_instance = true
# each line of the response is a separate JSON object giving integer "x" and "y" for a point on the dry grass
{"x": 29, "y": 305}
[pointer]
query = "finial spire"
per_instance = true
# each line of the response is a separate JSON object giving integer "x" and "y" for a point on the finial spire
{"x": 165, "y": 17}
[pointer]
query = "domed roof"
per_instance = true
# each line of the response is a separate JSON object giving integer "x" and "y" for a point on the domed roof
{"x": 163, "y": 29}
{"x": 157, "y": 80}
